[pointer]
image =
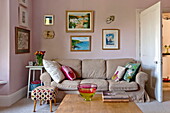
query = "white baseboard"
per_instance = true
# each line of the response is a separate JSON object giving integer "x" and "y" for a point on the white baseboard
{"x": 8, "y": 100}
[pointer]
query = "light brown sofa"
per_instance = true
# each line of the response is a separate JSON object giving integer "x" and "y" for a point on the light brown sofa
{"x": 99, "y": 71}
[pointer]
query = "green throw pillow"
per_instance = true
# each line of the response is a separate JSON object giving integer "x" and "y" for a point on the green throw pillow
{"x": 132, "y": 69}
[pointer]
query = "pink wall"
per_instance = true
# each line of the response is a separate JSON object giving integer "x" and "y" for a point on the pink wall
{"x": 4, "y": 45}
{"x": 59, "y": 47}
{"x": 14, "y": 70}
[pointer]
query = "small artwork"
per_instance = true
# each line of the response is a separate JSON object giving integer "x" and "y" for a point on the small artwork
{"x": 79, "y": 21}
{"x": 23, "y": 2}
{"x": 110, "y": 39}
{"x": 22, "y": 40}
{"x": 80, "y": 43}
{"x": 48, "y": 19}
{"x": 23, "y": 16}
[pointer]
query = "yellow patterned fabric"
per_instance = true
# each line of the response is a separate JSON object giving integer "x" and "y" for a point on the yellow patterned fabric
{"x": 44, "y": 93}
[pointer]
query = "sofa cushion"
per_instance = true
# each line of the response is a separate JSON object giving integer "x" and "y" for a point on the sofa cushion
{"x": 122, "y": 85}
{"x": 111, "y": 65}
{"x": 75, "y": 65}
{"x": 93, "y": 68}
{"x": 118, "y": 73}
{"x": 102, "y": 85}
{"x": 68, "y": 72}
{"x": 66, "y": 84}
{"x": 53, "y": 68}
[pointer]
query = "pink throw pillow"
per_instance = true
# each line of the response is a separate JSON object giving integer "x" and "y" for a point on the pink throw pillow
{"x": 68, "y": 72}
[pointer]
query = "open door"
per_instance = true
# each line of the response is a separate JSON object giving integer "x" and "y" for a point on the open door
{"x": 150, "y": 48}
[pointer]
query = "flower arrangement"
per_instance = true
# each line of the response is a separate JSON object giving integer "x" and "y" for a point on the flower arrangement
{"x": 40, "y": 56}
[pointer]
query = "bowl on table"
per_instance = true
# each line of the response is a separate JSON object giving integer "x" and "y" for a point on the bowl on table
{"x": 87, "y": 90}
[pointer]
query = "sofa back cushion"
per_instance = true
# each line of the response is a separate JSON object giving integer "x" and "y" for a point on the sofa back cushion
{"x": 112, "y": 65}
{"x": 93, "y": 68}
{"x": 74, "y": 64}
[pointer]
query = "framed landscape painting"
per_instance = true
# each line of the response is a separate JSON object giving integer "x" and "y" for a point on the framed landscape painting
{"x": 80, "y": 43}
{"x": 110, "y": 39}
{"x": 79, "y": 21}
{"x": 22, "y": 40}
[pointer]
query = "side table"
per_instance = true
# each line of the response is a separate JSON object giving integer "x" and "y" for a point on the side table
{"x": 33, "y": 69}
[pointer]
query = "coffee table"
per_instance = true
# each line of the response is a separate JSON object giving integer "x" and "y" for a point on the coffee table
{"x": 74, "y": 103}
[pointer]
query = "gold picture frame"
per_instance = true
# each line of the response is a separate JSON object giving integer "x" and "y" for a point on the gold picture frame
{"x": 80, "y": 21}
{"x": 80, "y": 43}
{"x": 110, "y": 39}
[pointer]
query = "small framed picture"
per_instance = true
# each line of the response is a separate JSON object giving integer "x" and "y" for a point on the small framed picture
{"x": 48, "y": 19}
{"x": 23, "y": 16}
{"x": 23, "y": 2}
{"x": 79, "y": 21}
{"x": 110, "y": 39}
{"x": 80, "y": 43}
{"x": 22, "y": 40}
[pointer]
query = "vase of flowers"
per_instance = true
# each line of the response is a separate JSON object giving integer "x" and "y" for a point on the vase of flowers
{"x": 39, "y": 56}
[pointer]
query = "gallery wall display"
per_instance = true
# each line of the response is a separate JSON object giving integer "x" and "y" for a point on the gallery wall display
{"x": 110, "y": 39}
{"x": 79, "y": 21}
{"x": 23, "y": 16}
{"x": 22, "y": 40}
{"x": 23, "y": 2}
{"x": 80, "y": 43}
{"x": 48, "y": 19}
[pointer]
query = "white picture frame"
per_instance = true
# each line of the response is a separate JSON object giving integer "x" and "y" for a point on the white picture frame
{"x": 23, "y": 2}
{"x": 23, "y": 16}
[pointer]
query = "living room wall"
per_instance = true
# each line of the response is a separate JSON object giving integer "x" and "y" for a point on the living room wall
{"x": 59, "y": 47}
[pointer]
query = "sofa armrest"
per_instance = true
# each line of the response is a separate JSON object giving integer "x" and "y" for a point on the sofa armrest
{"x": 142, "y": 78}
{"x": 45, "y": 78}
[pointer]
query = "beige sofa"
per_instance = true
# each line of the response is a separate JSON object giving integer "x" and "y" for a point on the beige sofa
{"x": 99, "y": 71}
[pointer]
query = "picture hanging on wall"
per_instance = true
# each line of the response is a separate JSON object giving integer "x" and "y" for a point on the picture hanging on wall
{"x": 79, "y": 21}
{"x": 23, "y": 16}
{"x": 48, "y": 19}
{"x": 110, "y": 39}
{"x": 80, "y": 43}
{"x": 22, "y": 40}
{"x": 23, "y": 2}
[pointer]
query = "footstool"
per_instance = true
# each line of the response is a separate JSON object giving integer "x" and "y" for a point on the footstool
{"x": 44, "y": 93}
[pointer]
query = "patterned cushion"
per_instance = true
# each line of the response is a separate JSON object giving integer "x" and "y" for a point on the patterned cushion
{"x": 68, "y": 72}
{"x": 44, "y": 93}
{"x": 118, "y": 73}
{"x": 53, "y": 68}
{"x": 131, "y": 72}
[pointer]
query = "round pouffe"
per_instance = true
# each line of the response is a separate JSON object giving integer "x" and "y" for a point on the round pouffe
{"x": 44, "y": 93}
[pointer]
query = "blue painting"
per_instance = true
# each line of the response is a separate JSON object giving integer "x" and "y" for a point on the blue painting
{"x": 80, "y": 43}
{"x": 110, "y": 39}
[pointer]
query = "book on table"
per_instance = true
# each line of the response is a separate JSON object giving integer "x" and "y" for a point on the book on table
{"x": 115, "y": 96}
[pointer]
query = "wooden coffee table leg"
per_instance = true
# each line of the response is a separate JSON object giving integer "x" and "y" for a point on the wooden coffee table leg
{"x": 51, "y": 106}
{"x": 40, "y": 102}
{"x": 35, "y": 102}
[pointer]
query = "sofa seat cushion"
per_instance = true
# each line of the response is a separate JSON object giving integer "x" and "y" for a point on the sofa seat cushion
{"x": 122, "y": 85}
{"x": 66, "y": 84}
{"x": 102, "y": 85}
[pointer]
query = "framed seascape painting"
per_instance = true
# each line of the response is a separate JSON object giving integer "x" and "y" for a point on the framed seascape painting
{"x": 80, "y": 43}
{"x": 22, "y": 40}
{"x": 110, "y": 39}
{"x": 79, "y": 21}
{"x": 23, "y": 16}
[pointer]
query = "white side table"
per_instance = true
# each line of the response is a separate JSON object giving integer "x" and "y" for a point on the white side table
{"x": 33, "y": 68}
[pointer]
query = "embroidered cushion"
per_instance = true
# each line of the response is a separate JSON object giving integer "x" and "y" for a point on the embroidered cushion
{"x": 53, "y": 68}
{"x": 132, "y": 69}
{"x": 118, "y": 73}
{"x": 68, "y": 72}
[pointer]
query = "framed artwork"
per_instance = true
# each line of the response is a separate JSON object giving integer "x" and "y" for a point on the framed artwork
{"x": 48, "y": 19}
{"x": 110, "y": 39}
{"x": 80, "y": 43}
{"x": 22, "y": 40}
{"x": 23, "y": 2}
{"x": 23, "y": 16}
{"x": 79, "y": 21}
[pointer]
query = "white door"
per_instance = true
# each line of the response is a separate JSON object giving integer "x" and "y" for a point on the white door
{"x": 150, "y": 48}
